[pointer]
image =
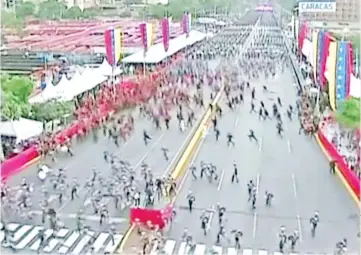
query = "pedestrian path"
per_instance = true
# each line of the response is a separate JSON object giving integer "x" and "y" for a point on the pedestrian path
{"x": 172, "y": 248}
{"x": 64, "y": 241}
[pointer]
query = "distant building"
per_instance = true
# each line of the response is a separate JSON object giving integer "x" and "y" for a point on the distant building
{"x": 346, "y": 11}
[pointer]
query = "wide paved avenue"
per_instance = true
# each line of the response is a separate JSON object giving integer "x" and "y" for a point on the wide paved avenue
{"x": 293, "y": 168}
{"x": 89, "y": 155}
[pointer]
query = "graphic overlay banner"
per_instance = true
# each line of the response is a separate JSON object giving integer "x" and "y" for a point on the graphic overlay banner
{"x": 316, "y": 6}
{"x": 331, "y": 70}
{"x": 341, "y": 72}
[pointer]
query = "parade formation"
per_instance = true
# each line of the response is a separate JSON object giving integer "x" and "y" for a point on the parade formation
{"x": 256, "y": 185}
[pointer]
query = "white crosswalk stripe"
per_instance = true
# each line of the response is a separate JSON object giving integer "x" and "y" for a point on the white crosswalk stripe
{"x": 64, "y": 241}
{"x": 181, "y": 248}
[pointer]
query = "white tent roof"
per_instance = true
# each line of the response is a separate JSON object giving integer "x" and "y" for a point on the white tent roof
{"x": 89, "y": 79}
{"x": 47, "y": 94}
{"x": 22, "y": 129}
{"x": 106, "y": 69}
{"x": 156, "y": 53}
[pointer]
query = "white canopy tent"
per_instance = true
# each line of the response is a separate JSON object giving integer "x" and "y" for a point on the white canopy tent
{"x": 89, "y": 79}
{"x": 47, "y": 94}
{"x": 63, "y": 87}
{"x": 156, "y": 53}
{"x": 22, "y": 129}
{"x": 106, "y": 69}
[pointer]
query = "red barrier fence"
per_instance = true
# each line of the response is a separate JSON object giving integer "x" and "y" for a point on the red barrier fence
{"x": 16, "y": 163}
{"x": 349, "y": 175}
{"x": 151, "y": 217}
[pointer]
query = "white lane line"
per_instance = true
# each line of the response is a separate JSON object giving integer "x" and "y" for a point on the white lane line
{"x": 299, "y": 227}
{"x": 257, "y": 182}
{"x": 260, "y": 144}
{"x": 289, "y": 146}
{"x": 254, "y": 224}
{"x": 294, "y": 185}
{"x": 236, "y": 122}
{"x": 213, "y": 209}
{"x": 117, "y": 220}
{"x": 220, "y": 181}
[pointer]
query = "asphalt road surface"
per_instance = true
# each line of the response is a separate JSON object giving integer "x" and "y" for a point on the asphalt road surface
{"x": 293, "y": 168}
{"x": 89, "y": 155}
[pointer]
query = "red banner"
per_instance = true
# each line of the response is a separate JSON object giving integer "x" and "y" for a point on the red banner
{"x": 151, "y": 217}
{"x": 143, "y": 35}
{"x": 326, "y": 45}
{"x": 301, "y": 36}
{"x": 11, "y": 166}
{"x": 165, "y": 33}
{"x": 148, "y": 217}
{"x": 185, "y": 23}
{"x": 349, "y": 175}
{"x": 109, "y": 47}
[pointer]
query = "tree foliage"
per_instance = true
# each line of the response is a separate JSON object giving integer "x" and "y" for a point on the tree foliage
{"x": 51, "y": 9}
{"x": 19, "y": 86}
{"x": 73, "y": 13}
{"x": 15, "y": 92}
{"x": 349, "y": 113}
{"x": 25, "y": 9}
{"x": 51, "y": 110}
{"x": 9, "y": 20}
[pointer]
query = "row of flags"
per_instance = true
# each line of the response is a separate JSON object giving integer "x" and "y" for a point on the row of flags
{"x": 114, "y": 38}
{"x": 332, "y": 62}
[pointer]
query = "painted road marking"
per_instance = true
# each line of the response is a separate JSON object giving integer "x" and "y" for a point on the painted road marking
{"x": 69, "y": 242}
{"x": 83, "y": 242}
{"x": 98, "y": 244}
{"x": 110, "y": 248}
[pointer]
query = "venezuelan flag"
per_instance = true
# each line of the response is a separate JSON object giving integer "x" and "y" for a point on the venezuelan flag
{"x": 340, "y": 75}
{"x": 113, "y": 45}
{"x": 331, "y": 69}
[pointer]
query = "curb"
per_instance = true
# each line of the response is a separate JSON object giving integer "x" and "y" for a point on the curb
{"x": 338, "y": 172}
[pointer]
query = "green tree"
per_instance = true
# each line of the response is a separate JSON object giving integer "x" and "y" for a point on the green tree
{"x": 90, "y": 13}
{"x": 9, "y": 20}
{"x": 51, "y": 110}
{"x": 51, "y": 9}
{"x": 25, "y": 9}
{"x": 348, "y": 113}
{"x": 19, "y": 86}
{"x": 73, "y": 13}
{"x": 10, "y": 109}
